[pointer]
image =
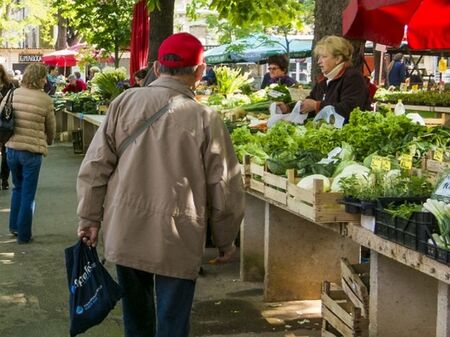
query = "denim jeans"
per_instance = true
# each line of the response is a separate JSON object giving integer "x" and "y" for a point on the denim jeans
{"x": 170, "y": 316}
{"x": 25, "y": 167}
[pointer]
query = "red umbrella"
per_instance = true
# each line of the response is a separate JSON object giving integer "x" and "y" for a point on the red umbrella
{"x": 425, "y": 22}
{"x": 139, "y": 38}
{"x": 61, "y": 58}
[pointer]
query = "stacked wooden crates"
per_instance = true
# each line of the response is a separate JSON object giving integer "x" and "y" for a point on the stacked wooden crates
{"x": 345, "y": 311}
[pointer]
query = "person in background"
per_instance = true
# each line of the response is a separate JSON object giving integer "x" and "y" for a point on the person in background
{"x": 139, "y": 77}
{"x": 341, "y": 88}
{"x": 92, "y": 71}
{"x": 185, "y": 175}
{"x": 52, "y": 80}
{"x": 5, "y": 85}
{"x": 78, "y": 76}
{"x": 74, "y": 85}
{"x": 34, "y": 130}
{"x": 278, "y": 72}
{"x": 151, "y": 76}
{"x": 12, "y": 79}
{"x": 396, "y": 70}
{"x": 18, "y": 76}
{"x": 210, "y": 76}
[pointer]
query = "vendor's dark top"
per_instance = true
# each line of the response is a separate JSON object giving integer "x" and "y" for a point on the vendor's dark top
{"x": 346, "y": 92}
{"x": 285, "y": 80}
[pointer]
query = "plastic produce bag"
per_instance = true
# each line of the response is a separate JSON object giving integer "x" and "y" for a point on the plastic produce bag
{"x": 294, "y": 117}
{"x": 93, "y": 292}
{"x": 330, "y": 115}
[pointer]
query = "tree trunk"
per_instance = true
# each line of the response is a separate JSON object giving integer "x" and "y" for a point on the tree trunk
{"x": 61, "y": 39}
{"x": 328, "y": 21}
{"x": 161, "y": 27}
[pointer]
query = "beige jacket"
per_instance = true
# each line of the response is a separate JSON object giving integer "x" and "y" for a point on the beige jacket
{"x": 34, "y": 120}
{"x": 154, "y": 203}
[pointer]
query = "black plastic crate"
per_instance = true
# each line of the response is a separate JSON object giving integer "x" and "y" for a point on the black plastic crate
{"x": 352, "y": 205}
{"x": 435, "y": 252}
{"x": 74, "y": 106}
{"x": 412, "y": 233}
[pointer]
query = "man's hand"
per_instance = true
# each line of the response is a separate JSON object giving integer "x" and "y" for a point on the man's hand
{"x": 89, "y": 235}
{"x": 224, "y": 257}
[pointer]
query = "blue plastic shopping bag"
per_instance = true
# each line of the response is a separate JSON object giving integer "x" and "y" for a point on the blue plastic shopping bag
{"x": 93, "y": 292}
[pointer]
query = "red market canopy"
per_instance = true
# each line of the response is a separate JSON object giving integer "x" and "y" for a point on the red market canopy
{"x": 139, "y": 38}
{"x": 61, "y": 58}
{"x": 424, "y": 23}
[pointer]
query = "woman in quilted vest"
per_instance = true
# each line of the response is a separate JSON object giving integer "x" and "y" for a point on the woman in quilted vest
{"x": 34, "y": 130}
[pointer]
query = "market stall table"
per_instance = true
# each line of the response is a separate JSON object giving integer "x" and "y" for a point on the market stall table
{"x": 409, "y": 292}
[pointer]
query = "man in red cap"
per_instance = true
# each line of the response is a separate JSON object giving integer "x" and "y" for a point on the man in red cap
{"x": 158, "y": 170}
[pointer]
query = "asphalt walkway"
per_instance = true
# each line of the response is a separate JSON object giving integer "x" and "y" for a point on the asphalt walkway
{"x": 33, "y": 286}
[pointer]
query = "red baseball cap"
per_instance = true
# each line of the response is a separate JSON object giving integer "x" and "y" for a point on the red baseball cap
{"x": 184, "y": 45}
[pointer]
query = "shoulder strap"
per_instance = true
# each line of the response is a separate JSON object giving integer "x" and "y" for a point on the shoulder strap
{"x": 152, "y": 119}
{"x": 6, "y": 104}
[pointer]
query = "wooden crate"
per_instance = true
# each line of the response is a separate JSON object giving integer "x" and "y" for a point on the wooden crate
{"x": 275, "y": 187}
{"x": 355, "y": 283}
{"x": 319, "y": 206}
{"x": 244, "y": 174}
{"x": 339, "y": 313}
{"x": 256, "y": 177}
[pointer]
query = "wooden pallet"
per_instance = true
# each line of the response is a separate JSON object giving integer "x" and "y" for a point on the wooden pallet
{"x": 355, "y": 283}
{"x": 316, "y": 205}
{"x": 339, "y": 313}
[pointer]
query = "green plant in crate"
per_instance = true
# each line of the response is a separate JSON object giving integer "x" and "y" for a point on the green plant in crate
{"x": 230, "y": 80}
{"x": 107, "y": 83}
{"x": 441, "y": 211}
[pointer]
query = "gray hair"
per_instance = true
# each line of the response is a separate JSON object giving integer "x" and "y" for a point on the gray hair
{"x": 175, "y": 71}
{"x": 71, "y": 77}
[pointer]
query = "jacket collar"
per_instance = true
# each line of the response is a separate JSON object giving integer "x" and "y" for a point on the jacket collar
{"x": 174, "y": 84}
{"x": 321, "y": 77}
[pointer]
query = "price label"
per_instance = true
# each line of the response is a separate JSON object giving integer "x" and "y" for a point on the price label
{"x": 406, "y": 161}
{"x": 376, "y": 163}
{"x": 412, "y": 150}
{"x": 385, "y": 164}
{"x": 438, "y": 155}
{"x": 415, "y": 88}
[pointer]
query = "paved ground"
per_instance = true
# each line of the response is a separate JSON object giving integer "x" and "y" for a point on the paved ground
{"x": 33, "y": 290}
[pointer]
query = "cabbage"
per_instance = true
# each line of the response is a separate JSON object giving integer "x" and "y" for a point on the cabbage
{"x": 361, "y": 172}
{"x": 342, "y": 165}
{"x": 307, "y": 183}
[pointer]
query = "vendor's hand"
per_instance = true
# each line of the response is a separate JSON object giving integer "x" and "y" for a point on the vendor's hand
{"x": 89, "y": 235}
{"x": 224, "y": 257}
{"x": 283, "y": 107}
{"x": 308, "y": 105}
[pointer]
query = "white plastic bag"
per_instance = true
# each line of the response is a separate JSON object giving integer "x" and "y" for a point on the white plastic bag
{"x": 326, "y": 113}
{"x": 294, "y": 117}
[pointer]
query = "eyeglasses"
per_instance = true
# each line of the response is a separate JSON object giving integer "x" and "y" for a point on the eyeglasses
{"x": 273, "y": 68}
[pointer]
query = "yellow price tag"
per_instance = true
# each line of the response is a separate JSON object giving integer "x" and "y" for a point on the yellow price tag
{"x": 386, "y": 164}
{"x": 406, "y": 161}
{"x": 438, "y": 155}
{"x": 415, "y": 88}
{"x": 376, "y": 163}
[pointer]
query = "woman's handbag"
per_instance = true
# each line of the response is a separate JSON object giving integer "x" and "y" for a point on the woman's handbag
{"x": 6, "y": 117}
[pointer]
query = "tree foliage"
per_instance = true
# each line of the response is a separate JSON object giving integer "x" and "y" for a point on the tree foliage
{"x": 105, "y": 24}
{"x": 12, "y": 27}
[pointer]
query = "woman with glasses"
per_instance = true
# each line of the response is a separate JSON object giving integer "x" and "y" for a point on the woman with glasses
{"x": 278, "y": 72}
{"x": 340, "y": 89}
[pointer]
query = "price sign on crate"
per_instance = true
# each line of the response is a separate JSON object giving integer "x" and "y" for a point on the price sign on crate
{"x": 380, "y": 163}
{"x": 438, "y": 155}
{"x": 386, "y": 164}
{"x": 406, "y": 161}
{"x": 376, "y": 163}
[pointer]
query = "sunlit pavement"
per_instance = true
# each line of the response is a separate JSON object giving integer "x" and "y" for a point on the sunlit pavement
{"x": 33, "y": 285}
